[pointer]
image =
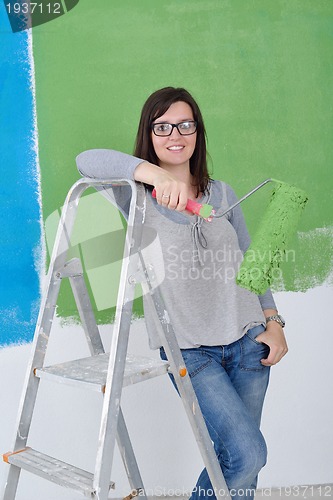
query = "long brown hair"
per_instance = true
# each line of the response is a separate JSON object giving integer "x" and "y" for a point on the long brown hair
{"x": 155, "y": 106}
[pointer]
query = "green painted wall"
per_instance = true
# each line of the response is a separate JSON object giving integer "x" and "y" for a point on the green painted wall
{"x": 262, "y": 72}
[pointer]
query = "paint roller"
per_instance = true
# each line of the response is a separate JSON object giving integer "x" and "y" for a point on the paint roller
{"x": 278, "y": 224}
{"x": 265, "y": 253}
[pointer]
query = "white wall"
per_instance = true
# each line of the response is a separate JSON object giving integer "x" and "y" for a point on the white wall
{"x": 297, "y": 421}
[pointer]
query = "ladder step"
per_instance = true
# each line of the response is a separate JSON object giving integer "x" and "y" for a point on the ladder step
{"x": 91, "y": 372}
{"x": 54, "y": 470}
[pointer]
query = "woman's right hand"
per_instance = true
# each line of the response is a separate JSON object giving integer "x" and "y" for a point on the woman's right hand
{"x": 170, "y": 192}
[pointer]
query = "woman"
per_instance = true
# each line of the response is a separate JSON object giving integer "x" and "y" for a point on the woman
{"x": 229, "y": 337}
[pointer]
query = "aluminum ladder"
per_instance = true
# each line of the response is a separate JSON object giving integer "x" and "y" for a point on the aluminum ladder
{"x": 104, "y": 372}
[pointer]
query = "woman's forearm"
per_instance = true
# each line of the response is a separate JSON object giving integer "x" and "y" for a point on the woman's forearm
{"x": 148, "y": 173}
{"x": 269, "y": 312}
{"x": 107, "y": 164}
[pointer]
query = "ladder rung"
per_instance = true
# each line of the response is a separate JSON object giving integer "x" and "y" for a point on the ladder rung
{"x": 92, "y": 371}
{"x": 54, "y": 470}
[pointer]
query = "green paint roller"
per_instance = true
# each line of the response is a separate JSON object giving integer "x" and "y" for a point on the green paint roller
{"x": 278, "y": 224}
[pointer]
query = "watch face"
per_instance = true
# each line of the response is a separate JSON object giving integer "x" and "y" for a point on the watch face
{"x": 281, "y": 320}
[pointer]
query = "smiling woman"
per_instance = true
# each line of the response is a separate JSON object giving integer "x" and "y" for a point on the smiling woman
{"x": 229, "y": 337}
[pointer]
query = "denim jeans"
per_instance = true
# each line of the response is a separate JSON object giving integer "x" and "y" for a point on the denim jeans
{"x": 230, "y": 384}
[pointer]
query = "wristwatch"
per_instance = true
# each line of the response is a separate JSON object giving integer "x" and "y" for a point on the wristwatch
{"x": 278, "y": 318}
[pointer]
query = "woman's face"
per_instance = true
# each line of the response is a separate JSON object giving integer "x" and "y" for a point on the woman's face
{"x": 175, "y": 149}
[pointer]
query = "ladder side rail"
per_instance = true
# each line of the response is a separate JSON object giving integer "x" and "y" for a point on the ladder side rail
{"x": 44, "y": 321}
{"x": 128, "y": 458}
{"x": 185, "y": 388}
{"x": 74, "y": 270}
{"x": 118, "y": 350}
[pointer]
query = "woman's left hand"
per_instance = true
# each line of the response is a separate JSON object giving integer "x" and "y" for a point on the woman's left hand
{"x": 274, "y": 337}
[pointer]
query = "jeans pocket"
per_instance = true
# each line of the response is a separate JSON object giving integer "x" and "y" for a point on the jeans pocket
{"x": 195, "y": 361}
{"x": 252, "y": 351}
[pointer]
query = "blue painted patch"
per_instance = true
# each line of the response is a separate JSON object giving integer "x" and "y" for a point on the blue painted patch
{"x": 19, "y": 208}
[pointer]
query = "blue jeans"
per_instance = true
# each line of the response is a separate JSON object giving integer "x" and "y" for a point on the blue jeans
{"x": 230, "y": 384}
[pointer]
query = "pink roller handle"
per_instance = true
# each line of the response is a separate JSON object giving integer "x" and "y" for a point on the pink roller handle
{"x": 191, "y": 205}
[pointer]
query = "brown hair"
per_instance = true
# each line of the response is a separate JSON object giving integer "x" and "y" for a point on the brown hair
{"x": 155, "y": 106}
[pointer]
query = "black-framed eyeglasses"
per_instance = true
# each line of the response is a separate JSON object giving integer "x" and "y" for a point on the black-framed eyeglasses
{"x": 163, "y": 129}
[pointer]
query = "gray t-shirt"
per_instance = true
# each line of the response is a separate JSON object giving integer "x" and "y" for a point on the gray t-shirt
{"x": 195, "y": 261}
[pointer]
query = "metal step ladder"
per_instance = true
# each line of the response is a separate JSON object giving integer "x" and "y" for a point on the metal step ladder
{"x": 107, "y": 373}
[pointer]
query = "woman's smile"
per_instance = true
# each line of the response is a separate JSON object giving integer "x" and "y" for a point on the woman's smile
{"x": 175, "y": 148}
